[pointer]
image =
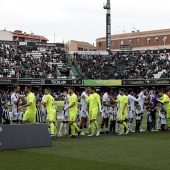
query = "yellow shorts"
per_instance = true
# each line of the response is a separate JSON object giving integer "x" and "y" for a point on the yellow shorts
{"x": 122, "y": 117}
{"x": 93, "y": 115}
{"x": 72, "y": 117}
{"x": 29, "y": 117}
{"x": 52, "y": 116}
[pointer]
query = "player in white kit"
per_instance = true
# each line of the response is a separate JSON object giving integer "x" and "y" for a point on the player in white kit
{"x": 131, "y": 108}
{"x": 64, "y": 123}
{"x": 105, "y": 110}
{"x": 44, "y": 110}
{"x": 142, "y": 101}
{"x": 118, "y": 112}
{"x": 15, "y": 99}
{"x": 84, "y": 111}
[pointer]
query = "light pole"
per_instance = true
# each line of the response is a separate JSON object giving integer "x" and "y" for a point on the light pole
{"x": 164, "y": 41}
{"x": 54, "y": 37}
{"x": 107, "y": 6}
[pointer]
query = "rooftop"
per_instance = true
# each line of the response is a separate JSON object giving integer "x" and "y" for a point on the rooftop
{"x": 138, "y": 33}
{"x": 84, "y": 44}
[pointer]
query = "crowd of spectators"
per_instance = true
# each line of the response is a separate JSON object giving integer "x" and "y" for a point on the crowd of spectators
{"x": 133, "y": 66}
{"x": 18, "y": 62}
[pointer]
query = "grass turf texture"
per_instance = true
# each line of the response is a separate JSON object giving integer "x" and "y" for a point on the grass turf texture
{"x": 150, "y": 151}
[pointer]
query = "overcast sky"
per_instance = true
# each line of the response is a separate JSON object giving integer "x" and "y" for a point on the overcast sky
{"x": 82, "y": 20}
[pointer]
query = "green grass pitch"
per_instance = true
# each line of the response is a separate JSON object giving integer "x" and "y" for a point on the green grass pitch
{"x": 144, "y": 151}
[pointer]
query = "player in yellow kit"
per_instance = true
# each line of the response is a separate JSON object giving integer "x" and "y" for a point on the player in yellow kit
{"x": 73, "y": 110}
{"x": 164, "y": 99}
{"x": 49, "y": 104}
{"x": 94, "y": 109}
{"x": 123, "y": 102}
{"x": 30, "y": 114}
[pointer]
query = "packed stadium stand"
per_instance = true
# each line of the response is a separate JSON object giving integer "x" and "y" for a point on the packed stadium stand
{"x": 29, "y": 62}
{"x": 133, "y": 66}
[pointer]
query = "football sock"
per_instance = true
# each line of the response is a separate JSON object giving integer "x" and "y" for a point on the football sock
{"x": 96, "y": 125}
{"x": 73, "y": 130}
{"x": 118, "y": 126}
{"x": 130, "y": 125}
{"x": 69, "y": 130}
{"x": 85, "y": 128}
{"x": 92, "y": 127}
{"x": 76, "y": 127}
{"x": 140, "y": 127}
{"x": 122, "y": 127}
{"x": 65, "y": 127}
{"x": 125, "y": 125}
{"x": 101, "y": 129}
{"x": 61, "y": 127}
{"x": 52, "y": 128}
{"x": 55, "y": 130}
{"x": 106, "y": 128}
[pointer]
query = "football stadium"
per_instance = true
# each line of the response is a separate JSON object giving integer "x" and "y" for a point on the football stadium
{"x": 76, "y": 104}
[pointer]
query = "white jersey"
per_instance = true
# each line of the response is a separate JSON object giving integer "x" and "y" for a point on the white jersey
{"x": 105, "y": 109}
{"x": 78, "y": 118}
{"x": 107, "y": 100}
{"x": 131, "y": 102}
{"x": 118, "y": 106}
{"x": 113, "y": 111}
{"x": 163, "y": 119}
{"x": 159, "y": 114}
{"x": 83, "y": 103}
{"x": 15, "y": 112}
{"x": 141, "y": 100}
{"x": 43, "y": 108}
{"x": 66, "y": 104}
{"x": 138, "y": 114}
{"x": 65, "y": 113}
{"x": 45, "y": 116}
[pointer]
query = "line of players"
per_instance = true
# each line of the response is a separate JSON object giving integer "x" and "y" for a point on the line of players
{"x": 88, "y": 108}
{"x": 122, "y": 114}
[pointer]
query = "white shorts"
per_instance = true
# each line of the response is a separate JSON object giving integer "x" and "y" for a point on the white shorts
{"x": 78, "y": 123}
{"x": 15, "y": 116}
{"x": 65, "y": 116}
{"x": 21, "y": 116}
{"x": 44, "y": 117}
{"x": 105, "y": 114}
{"x": 118, "y": 113}
{"x": 130, "y": 114}
{"x": 84, "y": 113}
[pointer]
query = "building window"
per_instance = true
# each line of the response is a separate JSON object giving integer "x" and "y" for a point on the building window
{"x": 148, "y": 40}
{"x": 137, "y": 41}
{"x": 130, "y": 41}
{"x": 80, "y": 49}
{"x": 165, "y": 38}
{"x": 156, "y": 39}
{"x": 112, "y": 43}
{"x": 121, "y": 42}
{"x": 100, "y": 44}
